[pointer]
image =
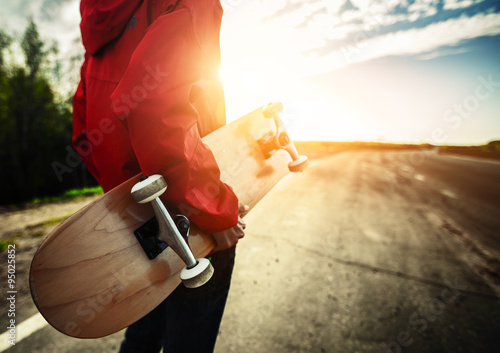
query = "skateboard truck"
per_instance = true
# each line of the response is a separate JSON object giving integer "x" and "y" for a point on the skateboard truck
{"x": 147, "y": 235}
{"x": 170, "y": 231}
{"x": 272, "y": 142}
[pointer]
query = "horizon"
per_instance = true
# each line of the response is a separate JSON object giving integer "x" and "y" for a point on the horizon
{"x": 402, "y": 71}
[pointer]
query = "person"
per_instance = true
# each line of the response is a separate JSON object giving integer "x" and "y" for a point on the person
{"x": 149, "y": 92}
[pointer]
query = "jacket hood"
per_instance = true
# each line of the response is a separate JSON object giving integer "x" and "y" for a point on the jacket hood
{"x": 104, "y": 20}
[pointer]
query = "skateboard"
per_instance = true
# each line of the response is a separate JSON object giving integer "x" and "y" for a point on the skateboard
{"x": 116, "y": 259}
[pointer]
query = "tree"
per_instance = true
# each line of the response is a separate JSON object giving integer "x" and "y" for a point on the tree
{"x": 36, "y": 126}
{"x": 33, "y": 49}
{"x": 5, "y": 41}
{"x": 493, "y": 146}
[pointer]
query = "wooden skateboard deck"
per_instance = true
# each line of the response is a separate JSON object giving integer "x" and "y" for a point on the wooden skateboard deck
{"x": 90, "y": 277}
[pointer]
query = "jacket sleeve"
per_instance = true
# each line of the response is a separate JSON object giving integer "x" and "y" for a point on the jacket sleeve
{"x": 153, "y": 101}
{"x": 79, "y": 139}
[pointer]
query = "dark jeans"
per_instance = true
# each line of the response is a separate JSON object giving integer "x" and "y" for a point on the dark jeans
{"x": 189, "y": 319}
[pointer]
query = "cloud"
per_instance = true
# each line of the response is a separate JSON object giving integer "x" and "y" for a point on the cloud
{"x": 56, "y": 20}
{"x": 424, "y": 40}
{"x": 328, "y": 34}
{"x": 288, "y": 6}
{"x": 16, "y": 13}
{"x": 429, "y": 40}
{"x": 380, "y": 20}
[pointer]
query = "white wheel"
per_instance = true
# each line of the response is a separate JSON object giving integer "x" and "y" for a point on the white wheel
{"x": 149, "y": 189}
{"x": 299, "y": 164}
{"x": 272, "y": 109}
{"x": 198, "y": 275}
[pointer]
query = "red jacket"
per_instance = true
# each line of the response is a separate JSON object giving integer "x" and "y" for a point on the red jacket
{"x": 149, "y": 91}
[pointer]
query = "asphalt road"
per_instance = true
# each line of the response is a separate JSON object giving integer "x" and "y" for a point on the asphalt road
{"x": 363, "y": 252}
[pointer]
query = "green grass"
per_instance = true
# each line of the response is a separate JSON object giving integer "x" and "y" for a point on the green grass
{"x": 71, "y": 194}
{"x": 96, "y": 190}
{"x": 4, "y": 245}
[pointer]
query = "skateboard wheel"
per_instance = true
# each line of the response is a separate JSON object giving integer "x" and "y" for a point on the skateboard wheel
{"x": 298, "y": 165}
{"x": 272, "y": 109}
{"x": 198, "y": 275}
{"x": 149, "y": 189}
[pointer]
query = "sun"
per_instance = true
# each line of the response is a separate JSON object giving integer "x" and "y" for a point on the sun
{"x": 263, "y": 62}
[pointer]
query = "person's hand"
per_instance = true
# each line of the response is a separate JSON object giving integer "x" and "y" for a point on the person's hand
{"x": 230, "y": 237}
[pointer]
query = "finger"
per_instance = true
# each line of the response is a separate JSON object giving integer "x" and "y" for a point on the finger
{"x": 243, "y": 208}
{"x": 223, "y": 240}
{"x": 223, "y": 244}
{"x": 242, "y": 223}
{"x": 240, "y": 234}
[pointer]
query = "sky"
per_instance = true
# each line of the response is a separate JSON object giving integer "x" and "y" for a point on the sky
{"x": 413, "y": 71}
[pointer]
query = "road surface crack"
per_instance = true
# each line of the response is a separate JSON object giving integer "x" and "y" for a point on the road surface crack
{"x": 376, "y": 269}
